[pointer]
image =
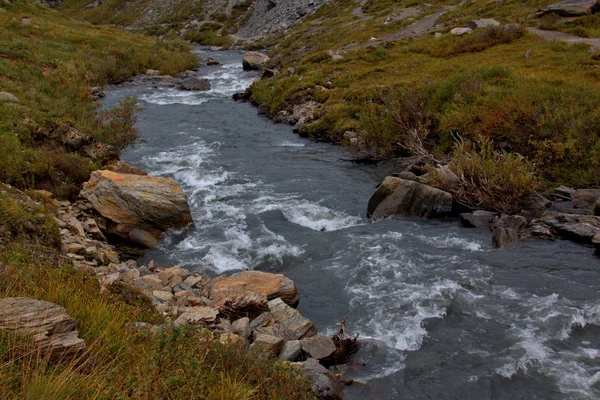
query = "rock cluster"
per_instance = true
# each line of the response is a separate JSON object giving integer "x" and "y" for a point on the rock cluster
{"x": 250, "y": 305}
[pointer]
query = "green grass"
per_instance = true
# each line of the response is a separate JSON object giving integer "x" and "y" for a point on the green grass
{"x": 528, "y": 96}
{"x": 121, "y": 362}
{"x": 51, "y": 66}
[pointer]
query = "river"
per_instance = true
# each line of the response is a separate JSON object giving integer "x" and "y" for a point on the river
{"x": 441, "y": 314}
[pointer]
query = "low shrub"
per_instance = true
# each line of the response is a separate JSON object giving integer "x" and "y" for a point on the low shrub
{"x": 488, "y": 178}
{"x": 116, "y": 126}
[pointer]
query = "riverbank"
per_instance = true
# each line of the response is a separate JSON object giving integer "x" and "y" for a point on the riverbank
{"x": 51, "y": 71}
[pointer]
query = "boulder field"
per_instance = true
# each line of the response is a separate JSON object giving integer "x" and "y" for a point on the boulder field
{"x": 564, "y": 213}
{"x": 255, "y": 306}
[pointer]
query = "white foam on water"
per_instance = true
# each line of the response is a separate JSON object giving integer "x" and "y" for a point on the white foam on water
{"x": 448, "y": 241}
{"x": 171, "y": 96}
{"x": 316, "y": 217}
{"x": 290, "y": 144}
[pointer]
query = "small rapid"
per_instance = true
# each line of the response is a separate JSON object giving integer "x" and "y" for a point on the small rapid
{"x": 440, "y": 313}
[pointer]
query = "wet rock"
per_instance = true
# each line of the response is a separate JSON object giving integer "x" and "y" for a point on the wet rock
{"x": 242, "y": 96}
{"x": 507, "y": 229}
{"x": 291, "y": 350}
{"x": 586, "y": 201}
{"x": 291, "y": 319}
{"x": 409, "y": 198}
{"x": 150, "y": 204}
{"x": 196, "y": 84}
{"x": 573, "y": 8}
{"x": 478, "y": 218}
{"x": 318, "y": 346}
{"x": 52, "y": 329}
{"x": 254, "y": 61}
{"x": 5, "y": 96}
{"x": 268, "y": 344}
{"x": 249, "y": 282}
{"x": 482, "y": 23}
{"x": 580, "y": 228}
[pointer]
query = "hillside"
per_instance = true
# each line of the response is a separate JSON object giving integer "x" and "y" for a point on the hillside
{"x": 52, "y": 136}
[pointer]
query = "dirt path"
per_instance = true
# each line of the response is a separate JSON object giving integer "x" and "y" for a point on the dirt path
{"x": 565, "y": 37}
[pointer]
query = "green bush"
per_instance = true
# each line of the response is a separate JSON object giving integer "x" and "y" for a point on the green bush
{"x": 488, "y": 178}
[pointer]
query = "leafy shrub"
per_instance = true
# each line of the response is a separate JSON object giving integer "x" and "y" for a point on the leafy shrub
{"x": 116, "y": 126}
{"x": 488, "y": 178}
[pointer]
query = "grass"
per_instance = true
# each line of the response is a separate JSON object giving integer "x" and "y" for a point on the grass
{"x": 527, "y": 96}
{"x": 51, "y": 66}
{"x": 120, "y": 361}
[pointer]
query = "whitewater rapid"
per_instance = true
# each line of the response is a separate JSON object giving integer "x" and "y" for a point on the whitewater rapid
{"x": 440, "y": 313}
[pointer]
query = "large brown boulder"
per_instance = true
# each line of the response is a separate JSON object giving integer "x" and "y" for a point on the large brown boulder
{"x": 248, "y": 282}
{"x": 398, "y": 196}
{"x": 137, "y": 206}
{"x": 51, "y": 328}
{"x": 254, "y": 61}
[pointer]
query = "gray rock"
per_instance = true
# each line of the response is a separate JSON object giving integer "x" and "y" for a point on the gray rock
{"x": 482, "y": 23}
{"x": 507, "y": 229}
{"x": 407, "y": 175}
{"x": 460, "y": 31}
{"x": 585, "y": 201}
{"x": 162, "y": 295}
{"x": 573, "y": 8}
{"x": 478, "y": 218}
{"x": 318, "y": 346}
{"x": 5, "y": 96}
{"x": 268, "y": 344}
{"x": 241, "y": 327}
{"x": 291, "y": 319}
{"x": 562, "y": 193}
{"x": 409, "y": 198}
{"x": 580, "y": 228}
{"x": 196, "y": 84}
{"x": 324, "y": 386}
{"x": 49, "y": 325}
{"x": 291, "y": 350}
{"x": 197, "y": 315}
{"x": 254, "y": 61}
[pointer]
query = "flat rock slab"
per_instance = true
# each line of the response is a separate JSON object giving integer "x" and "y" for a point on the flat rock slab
{"x": 318, "y": 346}
{"x": 291, "y": 319}
{"x": 197, "y": 315}
{"x": 5, "y": 96}
{"x": 291, "y": 350}
{"x": 581, "y": 228}
{"x": 248, "y": 282}
{"x": 49, "y": 324}
{"x": 478, "y": 218}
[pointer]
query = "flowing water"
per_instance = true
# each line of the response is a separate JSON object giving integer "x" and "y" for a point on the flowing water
{"x": 441, "y": 314}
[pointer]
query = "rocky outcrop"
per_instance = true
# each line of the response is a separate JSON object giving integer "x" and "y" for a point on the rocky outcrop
{"x": 399, "y": 196}
{"x": 254, "y": 61}
{"x": 586, "y": 201}
{"x": 137, "y": 207}
{"x": 271, "y": 16}
{"x": 49, "y": 325}
{"x": 580, "y": 228}
{"x": 270, "y": 285}
{"x": 573, "y": 8}
{"x": 196, "y": 84}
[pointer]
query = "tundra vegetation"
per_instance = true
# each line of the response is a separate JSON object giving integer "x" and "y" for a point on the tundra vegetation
{"x": 51, "y": 66}
{"x": 532, "y": 102}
